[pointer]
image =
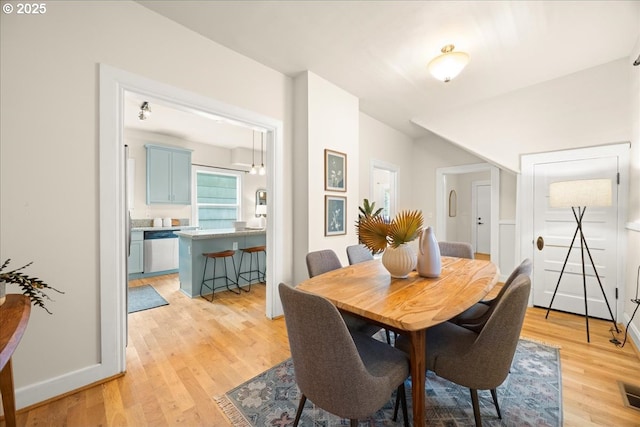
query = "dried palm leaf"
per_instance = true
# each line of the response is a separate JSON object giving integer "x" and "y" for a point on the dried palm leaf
{"x": 372, "y": 232}
{"x": 405, "y": 227}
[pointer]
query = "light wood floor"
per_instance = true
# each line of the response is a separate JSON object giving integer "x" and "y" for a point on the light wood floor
{"x": 181, "y": 355}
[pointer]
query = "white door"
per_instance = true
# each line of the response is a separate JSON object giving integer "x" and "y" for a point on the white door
{"x": 482, "y": 220}
{"x": 553, "y": 231}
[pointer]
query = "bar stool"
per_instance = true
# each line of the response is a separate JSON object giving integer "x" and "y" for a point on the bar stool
{"x": 260, "y": 274}
{"x": 222, "y": 256}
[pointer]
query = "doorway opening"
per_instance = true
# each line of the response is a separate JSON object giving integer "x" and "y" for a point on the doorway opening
{"x": 460, "y": 224}
{"x": 113, "y": 219}
{"x": 384, "y": 187}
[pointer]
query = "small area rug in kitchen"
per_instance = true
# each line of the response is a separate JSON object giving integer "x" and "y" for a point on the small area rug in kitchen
{"x": 143, "y": 298}
{"x": 530, "y": 396}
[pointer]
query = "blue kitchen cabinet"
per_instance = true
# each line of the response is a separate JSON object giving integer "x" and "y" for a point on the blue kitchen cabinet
{"x": 168, "y": 175}
{"x": 136, "y": 254}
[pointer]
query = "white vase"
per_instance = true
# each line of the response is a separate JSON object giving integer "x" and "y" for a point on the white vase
{"x": 399, "y": 261}
{"x": 429, "y": 263}
{"x": 3, "y": 291}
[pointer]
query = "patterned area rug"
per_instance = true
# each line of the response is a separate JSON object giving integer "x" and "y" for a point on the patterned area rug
{"x": 530, "y": 396}
{"x": 143, "y": 298}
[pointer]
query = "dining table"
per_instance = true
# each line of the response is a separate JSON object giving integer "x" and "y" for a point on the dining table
{"x": 407, "y": 306}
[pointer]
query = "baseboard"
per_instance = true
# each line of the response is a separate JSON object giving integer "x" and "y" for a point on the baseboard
{"x": 69, "y": 393}
{"x": 53, "y": 388}
{"x": 633, "y": 334}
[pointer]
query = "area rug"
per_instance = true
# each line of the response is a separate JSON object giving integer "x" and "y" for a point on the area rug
{"x": 143, "y": 298}
{"x": 530, "y": 396}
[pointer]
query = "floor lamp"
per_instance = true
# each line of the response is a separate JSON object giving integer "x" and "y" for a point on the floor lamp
{"x": 578, "y": 195}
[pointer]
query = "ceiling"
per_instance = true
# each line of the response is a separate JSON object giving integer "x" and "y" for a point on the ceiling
{"x": 187, "y": 124}
{"x": 378, "y": 50}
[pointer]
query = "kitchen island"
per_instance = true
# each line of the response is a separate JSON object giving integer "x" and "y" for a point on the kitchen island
{"x": 194, "y": 243}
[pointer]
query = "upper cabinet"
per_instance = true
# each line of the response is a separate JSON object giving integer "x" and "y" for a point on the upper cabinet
{"x": 168, "y": 175}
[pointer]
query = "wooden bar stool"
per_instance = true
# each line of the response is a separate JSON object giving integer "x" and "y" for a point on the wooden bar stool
{"x": 222, "y": 256}
{"x": 248, "y": 275}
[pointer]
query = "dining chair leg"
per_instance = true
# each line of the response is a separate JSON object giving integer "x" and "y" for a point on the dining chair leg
{"x": 495, "y": 401}
{"x": 476, "y": 406}
{"x": 354, "y": 422}
{"x": 303, "y": 400}
{"x": 396, "y": 407}
{"x": 401, "y": 399}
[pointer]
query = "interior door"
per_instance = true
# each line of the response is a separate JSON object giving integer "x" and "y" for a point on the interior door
{"x": 553, "y": 231}
{"x": 482, "y": 220}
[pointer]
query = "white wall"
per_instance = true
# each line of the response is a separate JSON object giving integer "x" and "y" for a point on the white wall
{"x": 331, "y": 123}
{"x": 300, "y": 184}
{"x": 633, "y": 227}
{"x": 583, "y": 109}
{"x": 49, "y": 187}
{"x": 381, "y": 143}
{"x": 429, "y": 154}
{"x": 508, "y": 191}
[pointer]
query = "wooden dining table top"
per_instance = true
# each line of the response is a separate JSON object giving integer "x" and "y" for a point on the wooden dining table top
{"x": 410, "y": 304}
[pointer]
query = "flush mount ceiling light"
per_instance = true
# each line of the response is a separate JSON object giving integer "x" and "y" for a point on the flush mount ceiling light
{"x": 145, "y": 111}
{"x": 447, "y": 66}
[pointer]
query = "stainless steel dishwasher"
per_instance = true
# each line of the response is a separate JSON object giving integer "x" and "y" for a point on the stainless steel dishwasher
{"x": 160, "y": 251}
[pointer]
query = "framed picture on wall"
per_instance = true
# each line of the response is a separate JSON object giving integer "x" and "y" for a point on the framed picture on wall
{"x": 335, "y": 208}
{"x": 335, "y": 171}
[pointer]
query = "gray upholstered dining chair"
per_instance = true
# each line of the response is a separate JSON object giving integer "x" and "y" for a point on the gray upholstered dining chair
{"x": 358, "y": 253}
{"x": 476, "y": 316}
{"x": 480, "y": 361}
{"x": 456, "y": 249}
{"x": 350, "y": 375}
{"x": 319, "y": 262}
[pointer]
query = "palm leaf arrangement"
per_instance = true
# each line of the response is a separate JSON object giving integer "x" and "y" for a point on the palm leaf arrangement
{"x": 367, "y": 209}
{"x": 31, "y": 286}
{"x": 377, "y": 232}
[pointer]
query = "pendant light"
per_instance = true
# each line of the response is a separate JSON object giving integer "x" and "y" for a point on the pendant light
{"x": 447, "y": 66}
{"x": 261, "y": 171}
{"x": 253, "y": 153}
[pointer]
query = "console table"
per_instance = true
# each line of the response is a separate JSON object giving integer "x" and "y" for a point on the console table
{"x": 14, "y": 316}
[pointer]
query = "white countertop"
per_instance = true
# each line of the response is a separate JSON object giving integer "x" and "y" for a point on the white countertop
{"x": 173, "y": 228}
{"x": 213, "y": 234}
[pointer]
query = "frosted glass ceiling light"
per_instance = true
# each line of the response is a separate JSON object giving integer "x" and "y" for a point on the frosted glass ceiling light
{"x": 447, "y": 66}
{"x": 145, "y": 111}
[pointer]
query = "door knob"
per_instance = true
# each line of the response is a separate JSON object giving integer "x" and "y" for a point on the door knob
{"x": 540, "y": 243}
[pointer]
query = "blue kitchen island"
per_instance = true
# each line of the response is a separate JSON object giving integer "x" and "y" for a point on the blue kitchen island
{"x": 194, "y": 243}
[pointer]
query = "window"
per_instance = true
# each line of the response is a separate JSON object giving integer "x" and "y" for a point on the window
{"x": 217, "y": 199}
